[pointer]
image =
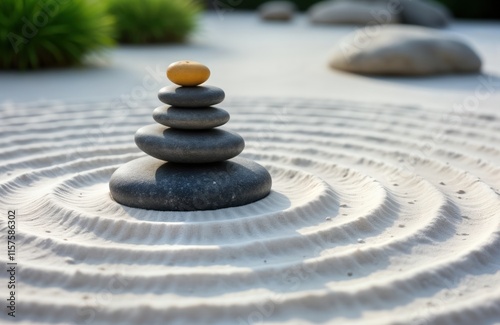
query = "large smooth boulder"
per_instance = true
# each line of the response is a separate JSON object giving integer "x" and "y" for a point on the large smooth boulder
{"x": 405, "y": 50}
{"x": 352, "y": 12}
{"x": 277, "y": 10}
{"x": 425, "y": 13}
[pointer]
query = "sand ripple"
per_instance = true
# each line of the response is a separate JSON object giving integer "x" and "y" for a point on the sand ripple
{"x": 378, "y": 215}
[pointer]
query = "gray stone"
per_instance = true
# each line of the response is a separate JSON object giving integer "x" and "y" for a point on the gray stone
{"x": 370, "y": 12}
{"x": 357, "y": 12}
{"x": 188, "y": 146}
{"x": 190, "y": 118}
{"x": 425, "y": 13}
{"x": 152, "y": 184}
{"x": 199, "y": 96}
{"x": 406, "y": 50}
{"x": 277, "y": 10}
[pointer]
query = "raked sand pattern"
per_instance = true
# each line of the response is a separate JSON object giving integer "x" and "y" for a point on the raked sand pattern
{"x": 378, "y": 215}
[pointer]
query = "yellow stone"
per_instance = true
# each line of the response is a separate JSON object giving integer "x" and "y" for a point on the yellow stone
{"x": 188, "y": 73}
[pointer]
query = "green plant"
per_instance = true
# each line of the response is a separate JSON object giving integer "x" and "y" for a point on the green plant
{"x": 154, "y": 21}
{"x": 51, "y": 33}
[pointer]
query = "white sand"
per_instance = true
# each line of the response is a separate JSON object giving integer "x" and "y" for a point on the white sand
{"x": 380, "y": 213}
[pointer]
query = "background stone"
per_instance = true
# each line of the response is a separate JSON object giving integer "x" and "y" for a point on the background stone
{"x": 406, "y": 50}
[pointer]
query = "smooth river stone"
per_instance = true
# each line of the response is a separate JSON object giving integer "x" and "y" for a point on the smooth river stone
{"x": 199, "y": 96}
{"x": 188, "y": 146}
{"x": 277, "y": 10}
{"x": 425, "y": 13}
{"x": 149, "y": 183}
{"x": 188, "y": 73}
{"x": 406, "y": 51}
{"x": 190, "y": 118}
{"x": 355, "y": 12}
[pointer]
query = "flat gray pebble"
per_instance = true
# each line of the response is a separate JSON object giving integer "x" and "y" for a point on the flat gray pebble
{"x": 199, "y": 96}
{"x": 190, "y": 118}
{"x": 152, "y": 184}
{"x": 188, "y": 146}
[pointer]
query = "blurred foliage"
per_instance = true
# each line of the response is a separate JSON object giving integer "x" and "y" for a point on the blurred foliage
{"x": 51, "y": 33}
{"x": 477, "y": 9}
{"x": 154, "y": 21}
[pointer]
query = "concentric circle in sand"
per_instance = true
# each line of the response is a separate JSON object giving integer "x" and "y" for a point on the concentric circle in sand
{"x": 378, "y": 215}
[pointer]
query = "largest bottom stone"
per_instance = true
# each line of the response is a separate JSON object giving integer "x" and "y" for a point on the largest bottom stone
{"x": 149, "y": 183}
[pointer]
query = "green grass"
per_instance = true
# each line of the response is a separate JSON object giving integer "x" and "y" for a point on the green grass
{"x": 154, "y": 21}
{"x": 51, "y": 33}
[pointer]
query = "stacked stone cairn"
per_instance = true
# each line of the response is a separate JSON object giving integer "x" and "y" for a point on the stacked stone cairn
{"x": 192, "y": 164}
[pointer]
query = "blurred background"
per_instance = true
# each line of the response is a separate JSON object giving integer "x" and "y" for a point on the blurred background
{"x": 100, "y": 49}
{"x": 55, "y": 33}
{"x": 477, "y": 9}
